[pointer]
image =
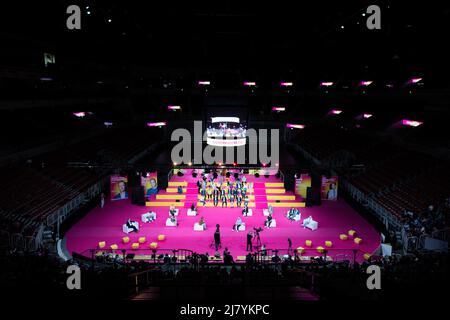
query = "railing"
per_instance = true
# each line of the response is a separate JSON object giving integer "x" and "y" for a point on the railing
{"x": 157, "y": 256}
{"x": 269, "y": 256}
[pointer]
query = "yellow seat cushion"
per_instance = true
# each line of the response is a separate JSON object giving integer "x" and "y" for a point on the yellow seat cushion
{"x": 358, "y": 240}
{"x": 114, "y": 247}
{"x": 351, "y": 233}
{"x": 141, "y": 240}
{"x": 320, "y": 249}
{"x": 300, "y": 250}
{"x": 161, "y": 237}
{"x": 125, "y": 239}
{"x": 101, "y": 244}
{"x": 308, "y": 243}
{"x": 328, "y": 244}
{"x": 367, "y": 256}
{"x": 153, "y": 245}
{"x": 343, "y": 237}
{"x": 135, "y": 246}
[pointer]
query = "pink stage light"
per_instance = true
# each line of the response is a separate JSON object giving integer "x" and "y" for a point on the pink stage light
{"x": 204, "y": 83}
{"x": 411, "y": 123}
{"x": 173, "y": 107}
{"x": 156, "y": 124}
{"x": 367, "y": 115}
{"x": 79, "y": 114}
{"x": 365, "y": 83}
{"x": 336, "y": 111}
{"x": 249, "y": 83}
{"x": 278, "y": 109}
{"x": 415, "y": 80}
{"x": 326, "y": 84}
{"x": 295, "y": 126}
{"x": 286, "y": 84}
{"x": 108, "y": 123}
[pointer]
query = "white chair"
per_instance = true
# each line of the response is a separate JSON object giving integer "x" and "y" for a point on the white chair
{"x": 169, "y": 223}
{"x": 310, "y": 224}
{"x": 198, "y": 227}
{"x": 148, "y": 217}
{"x": 191, "y": 212}
{"x": 127, "y": 230}
{"x": 249, "y": 213}
{"x": 297, "y": 217}
{"x": 266, "y": 212}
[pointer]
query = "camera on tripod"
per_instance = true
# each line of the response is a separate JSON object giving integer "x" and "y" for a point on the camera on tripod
{"x": 257, "y": 230}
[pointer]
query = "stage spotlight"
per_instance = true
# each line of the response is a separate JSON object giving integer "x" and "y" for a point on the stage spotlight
{"x": 174, "y": 108}
{"x": 411, "y": 123}
{"x": 189, "y": 163}
{"x": 367, "y": 115}
{"x": 174, "y": 163}
{"x": 286, "y": 84}
{"x": 249, "y": 83}
{"x": 414, "y": 80}
{"x": 295, "y": 126}
{"x": 365, "y": 83}
{"x": 204, "y": 83}
{"x": 278, "y": 109}
{"x": 156, "y": 124}
{"x": 336, "y": 111}
{"x": 234, "y": 164}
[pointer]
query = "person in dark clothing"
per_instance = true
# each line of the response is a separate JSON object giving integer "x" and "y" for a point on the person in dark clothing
{"x": 249, "y": 241}
{"x": 217, "y": 242}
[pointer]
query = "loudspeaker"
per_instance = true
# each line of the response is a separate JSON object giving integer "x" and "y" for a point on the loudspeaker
{"x": 266, "y": 176}
{"x": 236, "y": 175}
{"x": 180, "y": 174}
{"x": 138, "y": 196}
{"x": 228, "y": 174}
{"x": 257, "y": 175}
{"x": 194, "y": 174}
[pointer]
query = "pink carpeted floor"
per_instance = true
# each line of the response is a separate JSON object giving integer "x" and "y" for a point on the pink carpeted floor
{"x": 334, "y": 218}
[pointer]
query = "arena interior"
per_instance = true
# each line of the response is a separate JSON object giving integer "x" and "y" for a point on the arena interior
{"x": 313, "y": 165}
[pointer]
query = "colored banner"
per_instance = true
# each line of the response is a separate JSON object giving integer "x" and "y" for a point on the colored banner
{"x": 119, "y": 187}
{"x": 329, "y": 188}
{"x": 302, "y": 184}
{"x": 150, "y": 183}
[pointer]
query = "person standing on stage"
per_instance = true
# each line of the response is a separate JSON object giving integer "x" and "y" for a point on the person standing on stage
{"x": 249, "y": 241}
{"x": 217, "y": 242}
{"x": 224, "y": 200}
{"x": 210, "y": 191}
{"x": 238, "y": 200}
{"x": 289, "y": 246}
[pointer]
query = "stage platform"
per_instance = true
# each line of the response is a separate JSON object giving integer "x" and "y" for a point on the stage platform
{"x": 334, "y": 218}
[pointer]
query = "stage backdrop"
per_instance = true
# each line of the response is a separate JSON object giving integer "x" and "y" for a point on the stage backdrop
{"x": 302, "y": 184}
{"x": 329, "y": 189}
{"x": 119, "y": 187}
{"x": 150, "y": 183}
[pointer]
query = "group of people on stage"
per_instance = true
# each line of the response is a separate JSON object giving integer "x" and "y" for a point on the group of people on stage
{"x": 223, "y": 190}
